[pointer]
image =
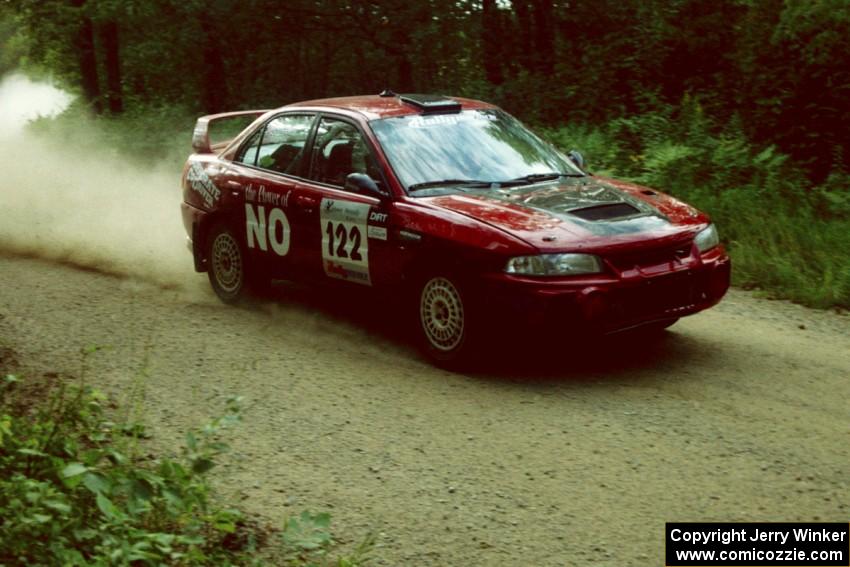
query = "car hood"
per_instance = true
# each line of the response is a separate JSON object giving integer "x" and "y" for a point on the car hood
{"x": 581, "y": 213}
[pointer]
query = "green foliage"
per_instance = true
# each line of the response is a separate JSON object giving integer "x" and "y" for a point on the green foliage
{"x": 12, "y": 42}
{"x": 785, "y": 235}
{"x": 70, "y": 494}
{"x": 307, "y": 540}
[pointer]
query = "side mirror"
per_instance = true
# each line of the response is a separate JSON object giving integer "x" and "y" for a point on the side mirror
{"x": 363, "y": 184}
{"x": 576, "y": 157}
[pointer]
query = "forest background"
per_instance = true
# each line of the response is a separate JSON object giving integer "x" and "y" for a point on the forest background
{"x": 741, "y": 107}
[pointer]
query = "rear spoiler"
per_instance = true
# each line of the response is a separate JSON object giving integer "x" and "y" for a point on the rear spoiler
{"x": 201, "y": 135}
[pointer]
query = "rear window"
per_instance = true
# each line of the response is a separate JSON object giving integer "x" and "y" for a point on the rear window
{"x": 279, "y": 145}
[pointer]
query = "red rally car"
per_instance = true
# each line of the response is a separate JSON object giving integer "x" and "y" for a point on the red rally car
{"x": 453, "y": 200}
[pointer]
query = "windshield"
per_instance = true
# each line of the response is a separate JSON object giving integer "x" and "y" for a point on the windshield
{"x": 474, "y": 145}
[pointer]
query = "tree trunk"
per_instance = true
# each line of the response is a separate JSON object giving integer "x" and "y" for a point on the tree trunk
{"x": 405, "y": 75}
{"x": 214, "y": 87}
{"x": 84, "y": 46}
{"x": 526, "y": 32}
{"x": 544, "y": 37}
{"x": 109, "y": 38}
{"x": 491, "y": 42}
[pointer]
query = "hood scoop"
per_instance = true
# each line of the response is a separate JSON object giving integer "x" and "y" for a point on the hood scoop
{"x": 607, "y": 212}
{"x": 589, "y": 203}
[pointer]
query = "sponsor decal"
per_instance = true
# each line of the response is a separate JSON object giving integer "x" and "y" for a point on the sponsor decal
{"x": 377, "y": 232}
{"x": 264, "y": 231}
{"x": 345, "y": 246}
{"x": 449, "y": 119}
{"x": 201, "y": 184}
{"x": 377, "y": 217}
{"x": 263, "y": 196}
{"x": 339, "y": 271}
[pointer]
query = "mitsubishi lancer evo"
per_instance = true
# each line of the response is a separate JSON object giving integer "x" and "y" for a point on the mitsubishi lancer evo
{"x": 453, "y": 203}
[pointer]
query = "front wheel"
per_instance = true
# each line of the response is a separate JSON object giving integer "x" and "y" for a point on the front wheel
{"x": 444, "y": 319}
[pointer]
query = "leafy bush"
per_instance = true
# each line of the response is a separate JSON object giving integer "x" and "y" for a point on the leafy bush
{"x": 73, "y": 492}
{"x": 785, "y": 236}
{"x": 306, "y": 540}
{"x": 70, "y": 495}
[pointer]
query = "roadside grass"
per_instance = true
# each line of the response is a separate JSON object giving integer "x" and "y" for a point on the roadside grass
{"x": 786, "y": 254}
{"x": 74, "y": 490}
{"x": 787, "y": 237}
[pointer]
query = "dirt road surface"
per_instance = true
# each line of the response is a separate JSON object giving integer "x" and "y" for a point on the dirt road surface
{"x": 575, "y": 458}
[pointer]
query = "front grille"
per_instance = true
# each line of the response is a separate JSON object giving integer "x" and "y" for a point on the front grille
{"x": 656, "y": 296}
{"x": 650, "y": 256}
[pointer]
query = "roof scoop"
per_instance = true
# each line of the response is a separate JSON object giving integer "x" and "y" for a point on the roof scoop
{"x": 436, "y": 104}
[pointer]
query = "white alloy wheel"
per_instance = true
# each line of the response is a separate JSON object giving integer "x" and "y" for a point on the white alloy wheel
{"x": 226, "y": 263}
{"x": 441, "y": 314}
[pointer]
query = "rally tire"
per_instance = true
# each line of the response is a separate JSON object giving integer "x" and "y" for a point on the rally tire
{"x": 229, "y": 269}
{"x": 445, "y": 320}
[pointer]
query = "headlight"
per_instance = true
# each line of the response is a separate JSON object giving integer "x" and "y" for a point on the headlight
{"x": 707, "y": 239}
{"x": 554, "y": 265}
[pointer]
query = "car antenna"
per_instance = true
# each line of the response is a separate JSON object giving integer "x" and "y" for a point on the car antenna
{"x": 386, "y": 93}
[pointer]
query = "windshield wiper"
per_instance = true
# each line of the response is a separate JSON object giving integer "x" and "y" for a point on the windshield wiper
{"x": 480, "y": 184}
{"x": 537, "y": 177}
{"x": 449, "y": 182}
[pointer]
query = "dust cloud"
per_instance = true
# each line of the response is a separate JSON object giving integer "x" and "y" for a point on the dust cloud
{"x": 22, "y": 100}
{"x": 87, "y": 208}
{"x": 94, "y": 210}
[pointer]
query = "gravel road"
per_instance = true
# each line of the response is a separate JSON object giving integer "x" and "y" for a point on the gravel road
{"x": 739, "y": 413}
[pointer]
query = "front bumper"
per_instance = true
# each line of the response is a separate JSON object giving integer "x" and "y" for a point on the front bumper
{"x": 607, "y": 303}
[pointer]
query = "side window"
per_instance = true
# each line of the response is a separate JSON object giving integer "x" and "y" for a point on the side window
{"x": 279, "y": 145}
{"x": 248, "y": 153}
{"x": 339, "y": 149}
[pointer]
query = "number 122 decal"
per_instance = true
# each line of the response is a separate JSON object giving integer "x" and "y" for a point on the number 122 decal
{"x": 352, "y": 238}
{"x": 345, "y": 250}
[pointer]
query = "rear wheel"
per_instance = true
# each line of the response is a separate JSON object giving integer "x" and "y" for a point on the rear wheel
{"x": 230, "y": 274}
{"x": 444, "y": 319}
